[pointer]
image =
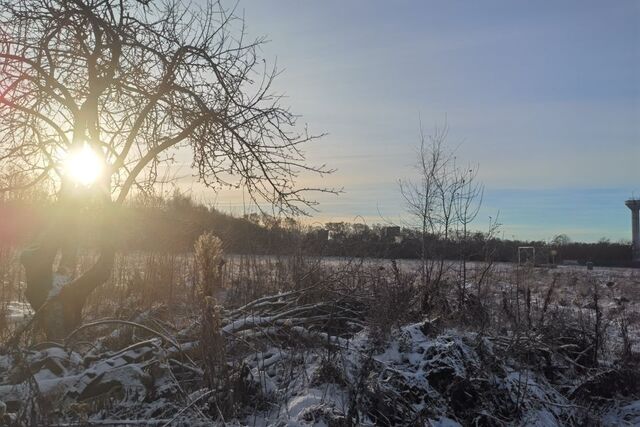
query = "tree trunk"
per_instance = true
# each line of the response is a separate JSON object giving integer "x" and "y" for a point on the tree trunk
{"x": 59, "y": 296}
{"x": 74, "y": 295}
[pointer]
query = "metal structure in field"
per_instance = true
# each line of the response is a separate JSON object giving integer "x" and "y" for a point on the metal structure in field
{"x": 634, "y": 205}
{"x": 526, "y": 255}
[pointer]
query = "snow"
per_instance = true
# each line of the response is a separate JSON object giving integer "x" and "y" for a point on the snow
{"x": 299, "y": 375}
{"x": 444, "y": 422}
{"x": 623, "y": 415}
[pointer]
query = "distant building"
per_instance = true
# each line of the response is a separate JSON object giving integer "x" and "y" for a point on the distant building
{"x": 359, "y": 228}
{"x": 391, "y": 233}
{"x": 321, "y": 234}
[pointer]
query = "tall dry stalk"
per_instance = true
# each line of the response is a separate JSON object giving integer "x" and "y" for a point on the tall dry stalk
{"x": 209, "y": 262}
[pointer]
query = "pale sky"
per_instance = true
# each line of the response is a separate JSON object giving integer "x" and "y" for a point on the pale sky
{"x": 544, "y": 96}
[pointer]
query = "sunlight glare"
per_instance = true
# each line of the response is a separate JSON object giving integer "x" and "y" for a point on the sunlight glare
{"x": 83, "y": 165}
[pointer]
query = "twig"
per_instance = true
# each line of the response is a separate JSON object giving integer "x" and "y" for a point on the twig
{"x": 129, "y": 323}
{"x": 180, "y": 412}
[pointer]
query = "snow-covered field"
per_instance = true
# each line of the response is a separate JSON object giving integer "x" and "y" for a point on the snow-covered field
{"x": 337, "y": 343}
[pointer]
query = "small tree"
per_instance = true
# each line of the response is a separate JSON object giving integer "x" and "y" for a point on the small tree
{"x": 468, "y": 201}
{"x": 442, "y": 202}
{"x": 134, "y": 83}
{"x": 560, "y": 240}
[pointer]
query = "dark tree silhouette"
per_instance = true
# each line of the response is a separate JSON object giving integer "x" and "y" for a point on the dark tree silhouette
{"x": 138, "y": 82}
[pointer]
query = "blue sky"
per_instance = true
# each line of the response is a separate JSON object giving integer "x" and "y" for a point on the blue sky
{"x": 544, "y": 96}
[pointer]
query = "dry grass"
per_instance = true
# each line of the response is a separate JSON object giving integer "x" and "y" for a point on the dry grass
{"x": 513, "y": 300}
{"x": 533, "y": 314}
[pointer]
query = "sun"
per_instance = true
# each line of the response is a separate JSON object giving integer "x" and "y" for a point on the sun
{"x": 83, "y": 165}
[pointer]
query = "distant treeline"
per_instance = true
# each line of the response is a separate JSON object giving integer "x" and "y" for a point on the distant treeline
{"x": 372, "y": 243}
{"x": 174, "y": 223}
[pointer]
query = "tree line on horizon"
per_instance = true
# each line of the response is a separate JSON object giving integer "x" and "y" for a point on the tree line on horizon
{"x": 173, "y": 224}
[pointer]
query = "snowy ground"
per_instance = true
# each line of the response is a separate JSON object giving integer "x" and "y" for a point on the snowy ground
{"x": 450, "y": 379}
{"x": 322, "y": 356}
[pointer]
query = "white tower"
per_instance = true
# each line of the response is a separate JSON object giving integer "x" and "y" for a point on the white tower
{"x": 634, "y": 205}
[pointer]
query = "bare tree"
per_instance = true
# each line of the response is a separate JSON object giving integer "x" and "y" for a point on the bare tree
{"x": 138, "y": 82}
{"x": 467, "y": 203}
{"x": 442, "y": 202}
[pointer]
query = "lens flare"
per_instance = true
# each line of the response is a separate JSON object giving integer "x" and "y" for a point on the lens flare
{"x": 83, "y": 165}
